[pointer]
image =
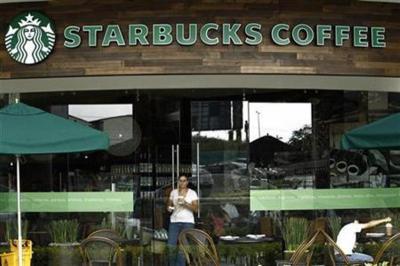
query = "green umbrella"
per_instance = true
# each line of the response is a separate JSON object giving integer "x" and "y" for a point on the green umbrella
{"x": 381, "y": 134}
{"x": 28, "y": 130}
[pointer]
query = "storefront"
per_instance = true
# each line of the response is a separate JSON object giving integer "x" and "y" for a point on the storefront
{"x": 250, "y": 99}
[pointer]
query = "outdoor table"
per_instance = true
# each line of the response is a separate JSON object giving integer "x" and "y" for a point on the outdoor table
{"x": 249, "y": 251}
{"x": 245, "y": 239}
{"x": 377, "y": 237}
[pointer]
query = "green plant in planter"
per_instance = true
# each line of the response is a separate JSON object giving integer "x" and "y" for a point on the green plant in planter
{"x": 294, "y": 232}
{"x": 395, "y": 220}
{"x": 335, "y": 224}
{"x": 124, "y": 231}
{"x": 64, "y": 231}
{"x": 12, "y": 230}
{"x": 120, "y": 227}
{"x": 56, "y": 256}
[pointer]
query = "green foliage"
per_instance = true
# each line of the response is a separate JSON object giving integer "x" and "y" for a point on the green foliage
{"x": 335, "y": 223}
{"x": 64, "y": 231}
{"x": 120, "y": 227}
{"x": 12, "y": 230}
{"x": 238, "y": 230}
{"x": 294, "y": 231}
{"x": 71, "y": 256}
{"x": 56, "y": 256}
{"x": 385, "y": 263}
{"x": 210, "y": 143}
{"x": 263, "y": 253}
{"x": 396, "y": 220}
{"x": 301, "y": 139}
{"x": 372, "y": 248}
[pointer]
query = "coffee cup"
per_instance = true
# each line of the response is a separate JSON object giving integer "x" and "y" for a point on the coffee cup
{"x": 181, "y": 200}
{"x": 389, "y": 229}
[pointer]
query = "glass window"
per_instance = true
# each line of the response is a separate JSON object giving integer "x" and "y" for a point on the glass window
{"x": 267, "y": 165}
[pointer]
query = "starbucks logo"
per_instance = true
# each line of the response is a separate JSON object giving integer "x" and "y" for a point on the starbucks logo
{"x": 30, "y": 37}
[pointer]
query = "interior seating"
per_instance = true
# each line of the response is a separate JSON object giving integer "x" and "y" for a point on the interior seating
{"x": 102, "y": 251}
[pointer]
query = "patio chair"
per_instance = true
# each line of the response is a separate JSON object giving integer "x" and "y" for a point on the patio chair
{"x": 107, "y": 233}
{"x": 303, "y": 254}
{"x": 102, "y": 251}
{"x": 198, "y": 248}
{"x": 390, "y": 248}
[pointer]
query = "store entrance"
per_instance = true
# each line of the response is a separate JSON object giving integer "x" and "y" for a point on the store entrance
{"x": 155, "y": 136}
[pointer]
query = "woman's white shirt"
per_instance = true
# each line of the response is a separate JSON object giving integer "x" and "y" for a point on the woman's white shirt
{"x": 182, "y": 214}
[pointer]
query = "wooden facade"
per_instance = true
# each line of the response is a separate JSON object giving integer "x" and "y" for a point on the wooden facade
{"x": 265, "y": 58}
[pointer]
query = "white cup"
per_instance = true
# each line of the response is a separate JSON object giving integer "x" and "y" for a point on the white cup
{"x": 181, "y": 200}
{"x": 389, "y": 229}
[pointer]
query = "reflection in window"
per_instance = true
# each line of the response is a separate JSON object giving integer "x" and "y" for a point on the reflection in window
{"x": 92, "y": 112}
{"x": 114, "y": 119}
{"x": 281, "y": 145}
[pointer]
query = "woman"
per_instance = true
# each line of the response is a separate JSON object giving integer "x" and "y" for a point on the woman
{"x": 183, "y": 202}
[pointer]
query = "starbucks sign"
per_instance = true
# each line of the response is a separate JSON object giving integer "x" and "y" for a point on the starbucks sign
{"x": 30, "y": 37}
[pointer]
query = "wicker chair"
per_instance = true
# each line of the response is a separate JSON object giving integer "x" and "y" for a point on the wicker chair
{"x": 107, "y": 233}
{"x": 391, "y": 248}
{"x": 304, "y": 252}
{"x": 198, "y": 247}
{"x": 100, "y": 251}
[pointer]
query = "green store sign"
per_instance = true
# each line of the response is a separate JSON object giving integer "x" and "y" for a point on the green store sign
{"x": 324, "y": 199}
{"x": 226, "y": 34}
{"x": 31, "y": 37}
{"x": 68, "y": 202}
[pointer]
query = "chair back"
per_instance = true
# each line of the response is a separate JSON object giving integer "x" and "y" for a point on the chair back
{"x": 100, "y": 251}
{"x": 305, "y": 251}
{"x": 390, "y": 251}
{"x": 198, "y": 248}
{"x": 107, "y": 233}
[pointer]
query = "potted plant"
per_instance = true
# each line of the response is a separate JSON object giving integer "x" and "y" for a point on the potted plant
{"x": 12, "y": 230}
{"x": 335, "y": 224}
{"x": 294, "y": 232}
{"x": 64, "y": 232}
{"x": 64, "y": 247}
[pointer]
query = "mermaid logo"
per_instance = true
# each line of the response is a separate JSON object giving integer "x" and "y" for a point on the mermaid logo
{"x": 30, "y": 37}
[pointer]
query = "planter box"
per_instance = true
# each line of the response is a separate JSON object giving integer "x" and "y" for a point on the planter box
{"x": 64, "y": 254}
{"x": 287, "y": 263}
{"x": 75, "y": 244}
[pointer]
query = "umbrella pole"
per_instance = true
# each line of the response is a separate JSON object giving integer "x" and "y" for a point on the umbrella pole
{"x": 19, "y": 213}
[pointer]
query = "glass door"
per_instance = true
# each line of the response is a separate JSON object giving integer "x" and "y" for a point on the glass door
{"x": 220, "y": 164}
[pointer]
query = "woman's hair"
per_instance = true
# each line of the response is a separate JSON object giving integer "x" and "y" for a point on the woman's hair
{"x": 37, "y": 41}
{"x": 185, "y": 176}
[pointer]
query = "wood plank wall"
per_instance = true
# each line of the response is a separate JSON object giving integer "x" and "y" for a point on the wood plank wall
{"x": 266, "y": 58}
